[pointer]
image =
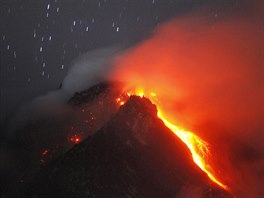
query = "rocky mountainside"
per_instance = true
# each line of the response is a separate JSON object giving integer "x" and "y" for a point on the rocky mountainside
{"x": 132, "y": 155}
{"x": 50, "y": 132}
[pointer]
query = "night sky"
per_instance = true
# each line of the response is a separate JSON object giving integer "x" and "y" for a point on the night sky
{"x": 40, "y": 39}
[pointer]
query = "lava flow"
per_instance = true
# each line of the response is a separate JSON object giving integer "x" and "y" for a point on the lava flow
{"x": 198, "y": 147}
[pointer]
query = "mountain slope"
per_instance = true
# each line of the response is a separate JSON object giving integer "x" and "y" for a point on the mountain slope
{"x": 133, "y": 155}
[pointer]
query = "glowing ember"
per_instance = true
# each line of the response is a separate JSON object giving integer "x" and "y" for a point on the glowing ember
{"x": 75, "y": 139}
{"x": 120, "y": 100}
{"x": 198, "y": 147}
{"x": 45, "y": 152}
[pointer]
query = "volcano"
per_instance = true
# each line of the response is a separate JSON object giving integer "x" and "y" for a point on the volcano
{"x": 132, "y": 155}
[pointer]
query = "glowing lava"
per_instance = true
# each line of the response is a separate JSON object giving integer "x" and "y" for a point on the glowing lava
{"x": 198, "y": 147}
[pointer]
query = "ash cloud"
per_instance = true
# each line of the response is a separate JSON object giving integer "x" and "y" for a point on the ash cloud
{"x": 48, "y": 121}
{"x": 209, "y": 75}
{"x": 87, "y": 70}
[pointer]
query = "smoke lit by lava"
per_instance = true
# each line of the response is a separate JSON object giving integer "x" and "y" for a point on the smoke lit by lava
{"x": 198, "y": 147}
{"x": 206, "y": 77}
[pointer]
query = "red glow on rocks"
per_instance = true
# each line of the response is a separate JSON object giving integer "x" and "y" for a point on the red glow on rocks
{"x": 75, "y": 139}
{"x": 45, "y": 152}
{"x": 207, "y": 79}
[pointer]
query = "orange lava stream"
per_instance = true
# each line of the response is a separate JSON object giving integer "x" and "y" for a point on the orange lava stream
{"x": 198, "y": 147}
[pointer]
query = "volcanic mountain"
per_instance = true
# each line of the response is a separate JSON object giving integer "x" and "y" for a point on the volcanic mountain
{"x": 132, "y": 155}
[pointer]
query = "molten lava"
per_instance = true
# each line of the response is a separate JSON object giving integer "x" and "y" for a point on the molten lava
{"x": 198, "y": 147}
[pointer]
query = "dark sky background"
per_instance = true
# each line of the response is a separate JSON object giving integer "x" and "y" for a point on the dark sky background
{"x": 40, "y": 39}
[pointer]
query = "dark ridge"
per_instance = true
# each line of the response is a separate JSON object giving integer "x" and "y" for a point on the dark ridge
{"x": 84, "y": 114}
{"x": 92, "y": 93}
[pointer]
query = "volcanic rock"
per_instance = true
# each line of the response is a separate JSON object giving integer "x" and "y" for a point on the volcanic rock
{"x": 47, "y": 134}
{"x": 133, "y": 155}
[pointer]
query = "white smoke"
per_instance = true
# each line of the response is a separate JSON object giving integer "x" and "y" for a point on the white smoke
{"x": 86, "y": 71}
{"x": 90, "y": 69}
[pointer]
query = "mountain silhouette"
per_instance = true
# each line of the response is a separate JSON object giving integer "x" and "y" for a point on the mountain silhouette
{"x": 132, "y": 155}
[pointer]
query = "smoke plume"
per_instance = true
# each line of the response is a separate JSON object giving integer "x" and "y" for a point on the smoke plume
{"x": 208, "y": 76}
{"x": 86, "y": 71}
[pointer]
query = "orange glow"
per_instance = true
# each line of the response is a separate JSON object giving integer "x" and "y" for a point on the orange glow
{"x": 207, "y": 76}
{"x": 139, "y": 92}
{"x": 120, "y": 101}
{"x": 198, "y": 147}
{"x": 75, "y": 139}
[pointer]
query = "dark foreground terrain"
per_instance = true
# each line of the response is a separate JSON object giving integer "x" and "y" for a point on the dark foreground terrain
{"x": 132, "y": 155}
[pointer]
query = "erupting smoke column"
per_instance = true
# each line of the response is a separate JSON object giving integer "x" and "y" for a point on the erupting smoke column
{"x": 208, "y": 76}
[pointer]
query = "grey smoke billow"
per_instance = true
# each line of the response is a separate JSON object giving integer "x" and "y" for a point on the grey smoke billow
{"x": 90, "y": 69}
{"x": 210, "y": 73}
{"x": 86, "y": 71}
